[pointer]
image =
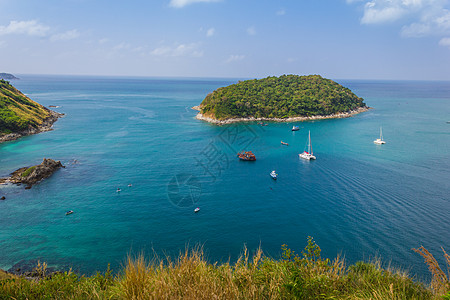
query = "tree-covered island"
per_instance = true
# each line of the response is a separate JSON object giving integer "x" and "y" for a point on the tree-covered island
{"x": 21, "y": 116}
{"x": 284, "y": 98}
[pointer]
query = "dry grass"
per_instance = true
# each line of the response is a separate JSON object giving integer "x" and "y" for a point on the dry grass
{"x": 253, "y": 276}
{"x": 440, "y": 283}
{"x": 190, "y": 276}
{"x": 4, "y": 275}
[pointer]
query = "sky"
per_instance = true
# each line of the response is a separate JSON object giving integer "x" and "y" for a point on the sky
{"x": 338, "y": 39}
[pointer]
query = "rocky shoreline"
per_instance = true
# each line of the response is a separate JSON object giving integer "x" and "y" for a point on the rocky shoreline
{"x": 348, "y": 114}
{"x": 45, "y": 126}
{"x": 34, "y": 174}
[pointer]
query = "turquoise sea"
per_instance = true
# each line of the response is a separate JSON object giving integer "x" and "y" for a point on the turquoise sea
{"x": 358, "y": 199}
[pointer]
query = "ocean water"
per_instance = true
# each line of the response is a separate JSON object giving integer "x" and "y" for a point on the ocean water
{"x": 357, "y": 199}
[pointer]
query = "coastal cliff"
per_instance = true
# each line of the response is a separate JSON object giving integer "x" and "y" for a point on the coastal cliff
{"x": 20, "y": 116}
{"x": 284, "y": 98}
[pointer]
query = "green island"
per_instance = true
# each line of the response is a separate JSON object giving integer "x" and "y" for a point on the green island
{"x": 284, "y": 98}
{"x": 21, "y": 116}
{"x": 253, "y": 276}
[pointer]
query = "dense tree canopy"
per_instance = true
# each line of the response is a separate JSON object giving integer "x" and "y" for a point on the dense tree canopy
{"x": 280, "y": 97}
{"x": 17, "y": 111}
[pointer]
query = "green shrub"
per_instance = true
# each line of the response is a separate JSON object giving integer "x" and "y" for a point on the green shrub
{"x": 28, "y": 171}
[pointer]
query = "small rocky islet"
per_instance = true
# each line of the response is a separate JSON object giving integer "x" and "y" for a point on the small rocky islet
{"x": 34, "y": 174}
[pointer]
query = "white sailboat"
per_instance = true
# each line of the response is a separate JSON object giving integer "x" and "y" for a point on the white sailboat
{"x": 380, "y": 140}
{"x": 308, "y": 155}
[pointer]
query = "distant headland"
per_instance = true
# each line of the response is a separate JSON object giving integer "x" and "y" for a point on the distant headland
{"x": 286, "y": 98}
{"x": 7, "y": 76}
{"x": 20, "y": 116}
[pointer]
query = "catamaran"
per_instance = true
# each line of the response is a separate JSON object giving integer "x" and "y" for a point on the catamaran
{"x": 380, "y": 140}
{"x": 308, "y": 154}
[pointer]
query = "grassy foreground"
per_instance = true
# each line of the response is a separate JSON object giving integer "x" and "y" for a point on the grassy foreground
{"x": 190, "y": 276}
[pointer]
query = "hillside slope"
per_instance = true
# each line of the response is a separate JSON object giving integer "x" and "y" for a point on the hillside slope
{"x": 20, "y": 116}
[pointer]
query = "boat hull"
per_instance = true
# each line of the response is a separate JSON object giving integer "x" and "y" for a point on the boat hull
{"x": 246, "y": 155}
{"x": 306, "y": 156}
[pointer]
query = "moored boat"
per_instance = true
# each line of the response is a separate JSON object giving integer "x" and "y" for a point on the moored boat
{"x": 283, "y": 143}
{"x": 197, "y": 209}
{"x": 308, "y": 155}
{"x": 295, "y": 128}
{"x": 380, "y": 141}
{"x": 246, "y": 155}
{"x": 274, "y": 175}
{"x": 69, "y": 212}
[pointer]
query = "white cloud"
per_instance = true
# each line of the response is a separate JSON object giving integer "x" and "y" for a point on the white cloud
{"x": 65, "y": 36}
{"x": 32, "y": 28}
{"x": 122, "y": 46}
{"x": 178, "y": 50}
{"x": 210, "y": 32}
{"x": 443, "y": 21}
{"x": 379, "y": 12}
{"x": 419, "y": 17}
{"x": 251, "y": 31}
{"x": 281, "y": 12}
{"x": 416, "y": 30}
{"x": 183, "y": 3}
{"x": 103, "y": 41}
{"x": 433, "y": 22}
{"x": 233, "y": 58}
{"x": 445, "y": 42}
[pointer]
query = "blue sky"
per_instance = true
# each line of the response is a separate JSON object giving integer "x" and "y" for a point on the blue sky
{"x": 340, "y": 39}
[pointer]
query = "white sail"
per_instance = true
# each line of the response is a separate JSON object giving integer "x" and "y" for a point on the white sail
{"x": 380, "y": 141}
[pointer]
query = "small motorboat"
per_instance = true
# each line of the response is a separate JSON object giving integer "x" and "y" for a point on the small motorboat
{"x": 283, "y": 143}
{"x": 295, "y": 128}
{"x": 274, "y": 175}
{"x": 69, "y": 212}
{"x": 130, "y": 185}
{"x": 197, "y": 209}
{"x": 118, "y": 190}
